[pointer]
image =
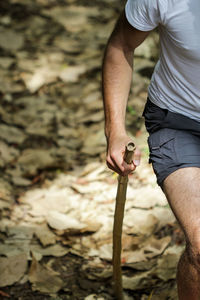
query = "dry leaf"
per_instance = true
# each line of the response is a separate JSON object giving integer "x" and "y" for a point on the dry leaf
{"x": 43, "y": 279}
{"x": 12, "y": 269}
{"x": 140, "y": 222}
{"x": 167, "y": 264}
{"x": 45, "y": 235}
{"x": 54, "y": 250}
{"x": 61, "y": 221}
{"x": 150, "y": 248}
{"x": 138, "y": 281}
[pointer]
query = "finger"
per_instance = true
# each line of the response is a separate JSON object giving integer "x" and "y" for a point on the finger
{"x": 137, "y": 157}
{"x": 128, "y": 168}
{"x": 121, "y": 166}
{"x": 110, "y": 166}
{"x": 117, "y": 160}
{"x": 113, "y": 166}
{"x": 124, "y": 168}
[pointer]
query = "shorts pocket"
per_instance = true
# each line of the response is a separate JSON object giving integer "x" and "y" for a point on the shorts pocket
{"x": 162, "y": 149}
{"x": 187, "y": 148}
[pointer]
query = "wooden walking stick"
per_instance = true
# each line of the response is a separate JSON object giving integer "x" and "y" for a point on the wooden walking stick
{"x": 118, "y": 222}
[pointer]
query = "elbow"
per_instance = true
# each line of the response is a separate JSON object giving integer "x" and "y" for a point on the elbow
{"x": 117, "y": 47}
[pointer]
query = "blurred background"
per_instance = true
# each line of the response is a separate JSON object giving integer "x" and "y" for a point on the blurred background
{"x": 56, "y": 194}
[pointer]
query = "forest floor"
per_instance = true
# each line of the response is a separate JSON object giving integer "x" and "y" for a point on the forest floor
{"x": 57, "y": 196}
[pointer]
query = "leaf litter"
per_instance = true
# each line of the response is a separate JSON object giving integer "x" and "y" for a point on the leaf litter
{"x": 57, "y": 196}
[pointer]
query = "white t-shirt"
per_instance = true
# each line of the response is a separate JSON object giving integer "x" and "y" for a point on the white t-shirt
{"x": 175, "y": 83}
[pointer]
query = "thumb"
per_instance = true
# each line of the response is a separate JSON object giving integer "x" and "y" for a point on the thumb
{"x": 137, "y": 157}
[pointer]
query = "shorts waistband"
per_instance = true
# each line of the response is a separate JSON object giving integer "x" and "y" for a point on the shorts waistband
{"x": 157, "y": 118}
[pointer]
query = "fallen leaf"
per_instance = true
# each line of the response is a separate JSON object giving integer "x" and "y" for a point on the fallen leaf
{"x": 140, "y": 222}
{"x": 167, "y": 263}
{"x": 105, "y": 252}
{"x": 72, "y": 73}
{"x": 11, "y": 40}
{"x": 138, "y": 281}
{"x": 55, "y": 250}
{"x": 44, "y": 279}
{"x": 4, "y": 294}
{"x": 45, "y": 235}
{"x": 12, "y": 269}
{"x": 61, "y": 221}
{"x": 150, "y": 248}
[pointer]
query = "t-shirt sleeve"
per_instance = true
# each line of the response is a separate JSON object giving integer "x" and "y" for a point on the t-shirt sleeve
{"x": 144, "y": 15}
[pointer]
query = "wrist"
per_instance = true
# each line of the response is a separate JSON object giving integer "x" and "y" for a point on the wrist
{"x": 112, "y": 132}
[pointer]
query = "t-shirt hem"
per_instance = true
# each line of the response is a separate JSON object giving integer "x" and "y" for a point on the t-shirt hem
{"x": 154, "y": 97}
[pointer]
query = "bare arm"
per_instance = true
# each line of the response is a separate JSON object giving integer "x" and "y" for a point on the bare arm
{"x": 117, "y": 76}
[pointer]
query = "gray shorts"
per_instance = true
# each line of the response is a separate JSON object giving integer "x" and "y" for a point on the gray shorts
{"x": 172, "y": 149}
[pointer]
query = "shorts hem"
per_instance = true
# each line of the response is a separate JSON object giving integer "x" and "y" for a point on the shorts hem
{"x": 162, "y": 177}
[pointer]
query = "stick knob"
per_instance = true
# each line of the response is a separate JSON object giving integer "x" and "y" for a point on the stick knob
{"x": 128, "y": 156}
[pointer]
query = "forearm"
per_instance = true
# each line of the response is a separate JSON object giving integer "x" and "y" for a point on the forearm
{"x": 117, "y": 77}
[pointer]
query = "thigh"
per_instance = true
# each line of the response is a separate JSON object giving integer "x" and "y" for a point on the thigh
{"x": 182, "y": 189}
